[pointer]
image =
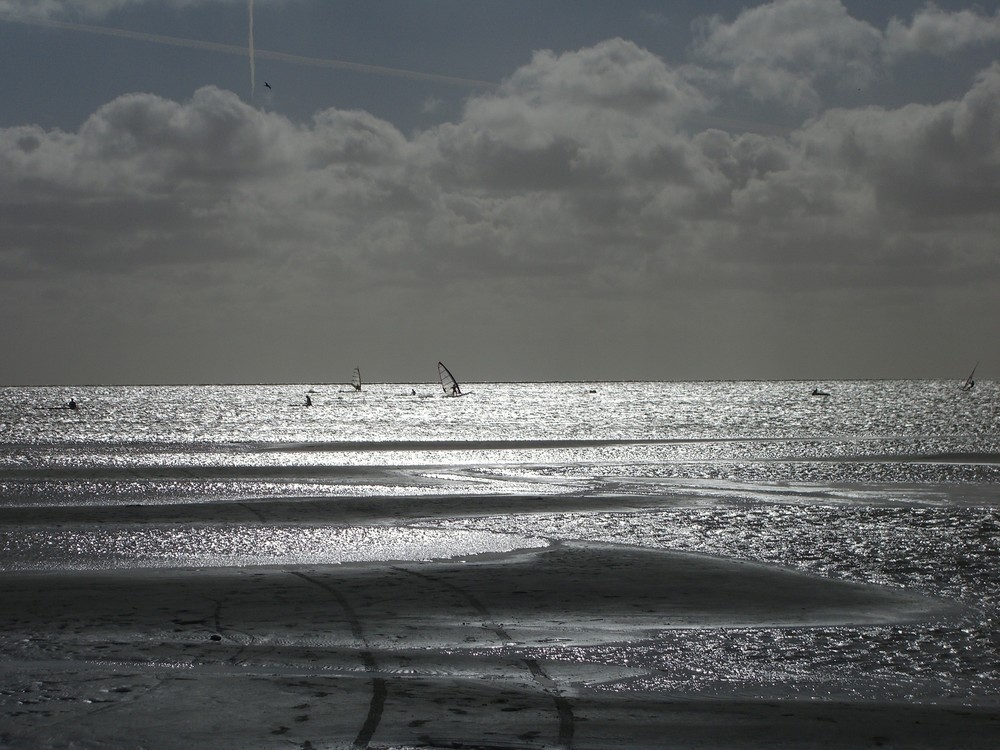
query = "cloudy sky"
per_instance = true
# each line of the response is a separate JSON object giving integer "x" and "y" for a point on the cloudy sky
{"x": 558, "y": 190}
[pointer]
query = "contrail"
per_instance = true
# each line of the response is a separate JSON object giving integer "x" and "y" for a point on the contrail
{"x": 233, "y": 49}
{"x": 250, "y": 46}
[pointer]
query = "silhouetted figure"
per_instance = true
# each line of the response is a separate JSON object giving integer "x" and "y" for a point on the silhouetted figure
{"x": 969, "y": 383}
{"x": 267, "y": 85}
{"x": 309, "y": 401}
{"x": 71, "y": 404}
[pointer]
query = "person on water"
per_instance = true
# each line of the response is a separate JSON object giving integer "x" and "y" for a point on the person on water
{"x": 309, "y": 401}
{"x": 455, "y": 390}
{"x": 71, "y": 404}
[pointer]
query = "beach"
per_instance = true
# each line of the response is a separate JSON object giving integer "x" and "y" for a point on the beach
{"x": 570, "y": 565}
{"x": 441, "y": 653}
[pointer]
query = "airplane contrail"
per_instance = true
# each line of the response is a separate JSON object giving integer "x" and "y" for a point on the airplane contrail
{"x": 233, "y": 49}
{"x": 250, "y": 46}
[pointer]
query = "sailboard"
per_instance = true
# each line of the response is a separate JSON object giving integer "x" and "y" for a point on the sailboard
{"x": 356, "y": 379}
{"x": 448, "y": 382}
{"x": 969, "y": 383}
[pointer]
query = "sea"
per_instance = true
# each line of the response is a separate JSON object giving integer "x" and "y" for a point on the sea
{"x": 890, "y": 482}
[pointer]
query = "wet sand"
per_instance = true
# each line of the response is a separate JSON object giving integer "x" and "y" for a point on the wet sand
{"x": 461, "y": 653}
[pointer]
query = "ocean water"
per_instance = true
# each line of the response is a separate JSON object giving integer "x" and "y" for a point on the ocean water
{"x": 889, "y": 482}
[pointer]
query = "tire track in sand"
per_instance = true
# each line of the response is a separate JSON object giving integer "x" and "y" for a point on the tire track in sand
{"x": 563, "y": 707}
{"x": 379, "y": 689}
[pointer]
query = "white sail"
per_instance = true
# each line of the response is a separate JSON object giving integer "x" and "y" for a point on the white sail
{"x": 448, "y": 382}
{"x": 356, "y": 379}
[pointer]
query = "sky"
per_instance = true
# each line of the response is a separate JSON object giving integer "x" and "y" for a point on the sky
{"x": 559, "y": 190}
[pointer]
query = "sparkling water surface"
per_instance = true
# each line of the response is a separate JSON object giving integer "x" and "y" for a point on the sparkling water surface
{"x": 242, "y": 415}
{"x": 889, "y": 482}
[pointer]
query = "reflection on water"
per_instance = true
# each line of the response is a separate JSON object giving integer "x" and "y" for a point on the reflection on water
{"x": 228, "y": 415}
{"x": 48, "y": 493}
{"x": 929, "y": 664}
{"x": 232, "y": 545}
{"x": 890, "y": 482}
{"x": 942, "y": 550}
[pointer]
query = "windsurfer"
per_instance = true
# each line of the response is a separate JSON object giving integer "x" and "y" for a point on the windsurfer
{"x": 969, "y": 383}
{"x": 448, "y": 382}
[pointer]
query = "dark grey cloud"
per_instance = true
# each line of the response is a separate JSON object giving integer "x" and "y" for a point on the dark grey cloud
{"x": 550, "y": 168}
{"x": 921, "y": 162}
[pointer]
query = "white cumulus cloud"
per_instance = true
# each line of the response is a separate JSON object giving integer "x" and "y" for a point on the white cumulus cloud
{"x": 939, "y": 32}
{"x": 783, "y": 50}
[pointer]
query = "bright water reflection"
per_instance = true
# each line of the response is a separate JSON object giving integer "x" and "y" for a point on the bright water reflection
{"x": 241, "y": 545}
{"x": 494, "y": 411}
{"x": 884, "y": 481}
{"x": 943, "y": 550}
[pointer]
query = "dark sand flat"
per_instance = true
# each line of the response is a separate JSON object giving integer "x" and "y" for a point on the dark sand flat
{"x": 447, "y": 654}
{"x": 177, "y": 709}
{"x": 574, "y": 591}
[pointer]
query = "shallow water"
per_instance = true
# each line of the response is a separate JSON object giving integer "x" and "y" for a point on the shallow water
{"x": 939, "y": 549}
{"x": 242, "y": 545}
{"x": 889, "y": 482}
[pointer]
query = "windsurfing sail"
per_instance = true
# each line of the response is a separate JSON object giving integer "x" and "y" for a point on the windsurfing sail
{"x": 356, "y": 379}
{"x": 969, "y": 383}
{"x": 448, "y": 382}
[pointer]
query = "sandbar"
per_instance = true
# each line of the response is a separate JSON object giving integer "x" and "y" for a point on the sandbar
{"x": 448, "y": 653}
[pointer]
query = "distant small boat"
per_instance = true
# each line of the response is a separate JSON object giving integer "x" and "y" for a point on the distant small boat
{"x": 969, "y": 383}
{"x": 818, "y": 392}
{"x": 448, "y": 382}
{"x": 356, "y": 379}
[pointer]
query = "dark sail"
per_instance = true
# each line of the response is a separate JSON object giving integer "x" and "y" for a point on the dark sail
{"x": 448, "y": 382}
